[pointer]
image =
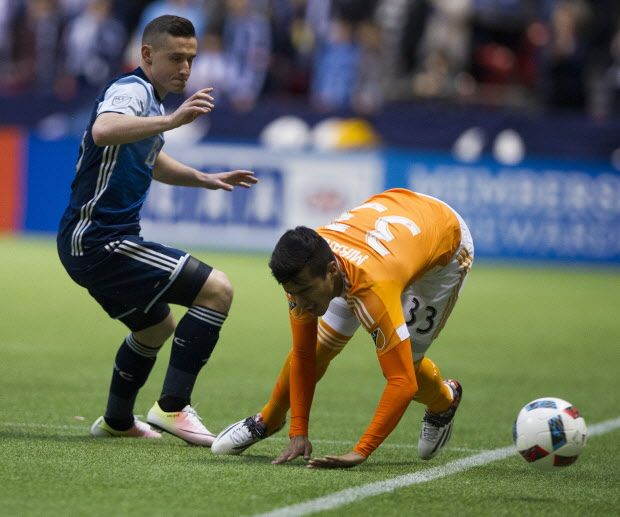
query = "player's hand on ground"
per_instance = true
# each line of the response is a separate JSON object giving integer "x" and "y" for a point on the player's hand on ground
{"x": 298, "y": 446}
{"x": 194, "y": 106}
{"x": 229, "y": 179}
{"x": 348, "y": 460}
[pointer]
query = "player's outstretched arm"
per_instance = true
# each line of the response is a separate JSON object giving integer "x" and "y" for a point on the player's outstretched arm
{"x": 116, "y": 129}
{"x": 172, "y": 172}
{"x": 397, "y": 366}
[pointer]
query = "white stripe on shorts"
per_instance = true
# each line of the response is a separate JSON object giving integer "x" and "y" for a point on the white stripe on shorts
{"x": 147, "y": 256}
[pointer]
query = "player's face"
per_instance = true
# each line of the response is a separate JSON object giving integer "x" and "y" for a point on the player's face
{"x": 313, "y": 293}
{"x": 171, "y": 63}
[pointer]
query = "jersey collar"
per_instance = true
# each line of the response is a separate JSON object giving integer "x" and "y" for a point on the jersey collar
{"x": 345, "y": 281}
{"x": 140, "y": 73}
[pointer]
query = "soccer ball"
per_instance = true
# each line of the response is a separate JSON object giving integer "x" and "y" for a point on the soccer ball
{"x": 549, "y": 433}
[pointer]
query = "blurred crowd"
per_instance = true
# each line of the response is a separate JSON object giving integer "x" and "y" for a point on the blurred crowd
{"x": 338, "y": 54}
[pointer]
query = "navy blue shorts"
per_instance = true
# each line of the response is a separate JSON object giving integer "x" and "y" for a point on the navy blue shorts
{"x": 134, "y": 280}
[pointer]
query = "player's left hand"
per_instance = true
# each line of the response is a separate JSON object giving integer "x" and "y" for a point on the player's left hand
{"x": 351, "y": 459}
{"x": 298, "y": 446}
{"x": 227, "y": 180}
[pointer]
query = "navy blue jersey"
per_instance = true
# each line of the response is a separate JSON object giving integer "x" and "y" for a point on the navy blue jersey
{"x": 111, "y": 182}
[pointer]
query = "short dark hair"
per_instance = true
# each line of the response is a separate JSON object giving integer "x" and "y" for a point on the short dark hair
{"x": 167, "y": 24}
{"x": 297, "y": 249}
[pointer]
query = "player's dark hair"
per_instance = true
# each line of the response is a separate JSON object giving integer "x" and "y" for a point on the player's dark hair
{"x": 167, "y": 24}
{"x": 297, "y": 249}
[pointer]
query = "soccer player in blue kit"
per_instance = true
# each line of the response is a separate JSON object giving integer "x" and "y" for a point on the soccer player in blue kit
{"x": 132, "y": 279}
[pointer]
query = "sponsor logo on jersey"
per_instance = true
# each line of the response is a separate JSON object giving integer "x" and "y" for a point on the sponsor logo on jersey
{"x": 379, "y": 338}
{"x": 121, "y": 101}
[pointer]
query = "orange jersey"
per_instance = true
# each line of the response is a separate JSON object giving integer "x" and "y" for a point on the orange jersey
{"x": 381, "y": 247}
{"x": 384, "y": 245}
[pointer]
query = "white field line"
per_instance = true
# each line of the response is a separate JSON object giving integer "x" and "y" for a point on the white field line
{"x": 355, "y": 494}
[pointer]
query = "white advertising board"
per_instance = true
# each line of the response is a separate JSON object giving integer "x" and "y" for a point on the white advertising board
{"x": 307, "y": 189}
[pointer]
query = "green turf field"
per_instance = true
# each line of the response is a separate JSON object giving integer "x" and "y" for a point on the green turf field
{"x": 517, "y": 333}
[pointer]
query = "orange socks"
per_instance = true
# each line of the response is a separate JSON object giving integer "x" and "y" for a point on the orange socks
{"x": 432, "y": 392}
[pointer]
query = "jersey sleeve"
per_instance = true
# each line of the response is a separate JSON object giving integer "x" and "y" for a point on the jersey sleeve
{"x": 397, "y": 366}
{"x": 379, "y": 310}
{"x": 303, "y": 368}
{"x": 128, "y": 97}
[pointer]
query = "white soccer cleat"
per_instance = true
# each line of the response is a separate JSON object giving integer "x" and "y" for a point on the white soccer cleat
{"x": 184, "y": 424}
{"x": 437, "y": 427}
{"x": 237, "y": 437}
{"x": 101, "y": 429}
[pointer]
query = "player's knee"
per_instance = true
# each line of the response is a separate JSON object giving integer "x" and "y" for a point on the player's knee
{"x": 167, "y": 328}
{"x": 156, "y": 335}
{"x": 216, "y": 293}
{"x": 409, "y": 388}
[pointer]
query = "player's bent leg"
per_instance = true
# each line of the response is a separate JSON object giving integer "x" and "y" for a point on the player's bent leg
{"x": 156, "y": 335}
{"x": 273, "y": 414}
{"x": 437, "y": 427}
{"x": 239, "y": 436}
{"x": 194, "y": 340}
{"x": 330, "y": 343}
{"x": 427, "y": 305}
{"x": 132, "y": 365}
{"x": 216, "y": 293}
{"x": 432, "y": 391}
{"x": 335, "y": 329}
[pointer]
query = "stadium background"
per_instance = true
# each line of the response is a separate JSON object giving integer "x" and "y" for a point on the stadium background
{"x": 508, "y": 110}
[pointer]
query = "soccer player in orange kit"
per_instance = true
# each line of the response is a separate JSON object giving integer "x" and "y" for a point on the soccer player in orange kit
{"x": 395, "y": 265}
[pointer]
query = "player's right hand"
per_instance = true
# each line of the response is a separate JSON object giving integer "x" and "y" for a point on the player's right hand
{"x": 298, "y": 446}
{"x": 198, "y": 104}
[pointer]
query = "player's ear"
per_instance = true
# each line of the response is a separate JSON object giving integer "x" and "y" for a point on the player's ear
{"x": 332, "y": 268}
{"x": 147, "y": 54}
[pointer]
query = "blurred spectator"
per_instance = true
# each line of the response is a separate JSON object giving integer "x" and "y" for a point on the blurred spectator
{"x": 8, "y": 13}
{"x": 349, "y": 61}
{"x": 93, "y": 46}
{"x": 292, "y": 43}
{"x": 612, "y": 76}
{"x": 498, "y": 31}
{"x": 72, "y": 8}
{"x": 35, "y": 48}
{"x": 336, "y": 66}
{"x": 369, "y": 91}
{"x": 444, "y": 50}
{"x": 339, "y": 54}
{"x": 209, "y": 68}
{"x": 401, "y": 23}
{"x": 318, "y": 17}
{"x": 566, "y": 55}
{"x": 247, "y": 47}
